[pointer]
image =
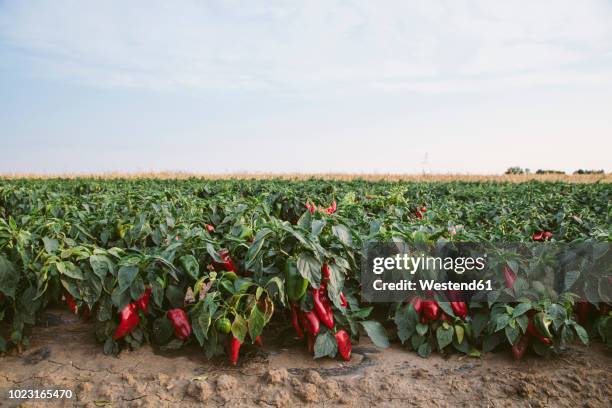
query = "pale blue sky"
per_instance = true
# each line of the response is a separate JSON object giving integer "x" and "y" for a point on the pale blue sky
{"x": 307, "y": 86}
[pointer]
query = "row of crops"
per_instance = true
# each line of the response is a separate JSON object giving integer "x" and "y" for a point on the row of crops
{"x": 215, "y": 262}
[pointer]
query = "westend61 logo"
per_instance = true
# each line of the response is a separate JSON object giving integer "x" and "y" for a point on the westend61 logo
{"x": 395, "y": 272}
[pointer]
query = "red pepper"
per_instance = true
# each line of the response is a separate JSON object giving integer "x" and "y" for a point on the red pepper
{"x": 310, "y": 342}
{"x": 209, "y": 228}
{"x": 531, "y": 329}
{"x": 321, "y": 310}
{"x": 520, "y": 347}
{"x": 312, "y": 322}
{"x": 86, "y": 312}
{"x": 234, "y": 350}
{"x": 547, "y": 235}
{"x": 180, "y": 322}
{"x": 430, "y": 309}
{"x": 332, "y": 208}
{"x": 343, "y": 300}
{"x": 227, "y": 264}
{"x": 325, "y": 272}
{"x": 143, "y": 302}
{"x": 71, "y": 303}
{"x": 311, "y": 207}
{"x": 460, "y": 309}
{"x": 129, "y": 320}
{"x": 417, "y": 303}
{"x": 582, "y": 310}
{"x": 509, "y": 277}
{"x": 295, "y": 321}
{"x": 344, "y": 344}
{"x": 423, "y": 209}
{"x": 258, "y": 341}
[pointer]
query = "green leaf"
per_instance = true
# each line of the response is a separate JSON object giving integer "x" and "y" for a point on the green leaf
{"x": 310, "y": 268}
{"x": 69, "y": 269}
{"x": 512, "y": 333}
{"x": 582, "y": 334}
{"x": 101, "y": 265}
{"x": 446, "y": 308}
{"x": 376, "y": 332}
{"x": 256, "y": 322}
{"x": 521, "y": 309}
{"x": 8, "y": 277}
{"x": 343, "y": 234}
{"x": 424, "y": 350}
{"x": 51, "y": 245}
{"x": 421, "y": 329}
{"x": 325, "y": 345}
{"x": 317, "y": 227}
{"x": 256, "y": 246}
{"x": 444, "y": 336}
{"x": 406, "y": 320}
{"x": 460, "y": 332}
{"x": 163, "y": 330}
{"x": 501, "y": 322}
{"x": 126, "y": 276}
{"x": 239, "y": 328}
{"x": 190, "y": 265}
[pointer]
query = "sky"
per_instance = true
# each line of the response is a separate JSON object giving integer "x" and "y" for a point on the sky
{"x": 400, "y": 86}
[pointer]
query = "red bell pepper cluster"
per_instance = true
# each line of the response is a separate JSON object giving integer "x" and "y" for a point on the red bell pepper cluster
{"x": 540, "y": 236}
{"x": 129, "y": 317}
{"x": 420, "y": 211}
{"x": 520, "y": 347}
{"x": 310, "y": 206}
{"x": 308, "y": 323}
{"x": 430, "y": 311}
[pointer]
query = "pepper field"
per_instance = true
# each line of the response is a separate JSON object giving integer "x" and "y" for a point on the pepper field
{"x": 215, "y": 267}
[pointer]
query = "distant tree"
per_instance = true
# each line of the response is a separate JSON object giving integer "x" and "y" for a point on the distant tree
{"x": 581, "y": 171}
{"x": 517, "y": 170}
{"x": 540, "y": 171}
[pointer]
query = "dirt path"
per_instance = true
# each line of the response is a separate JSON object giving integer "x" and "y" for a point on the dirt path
{"x": 65, "y": 356}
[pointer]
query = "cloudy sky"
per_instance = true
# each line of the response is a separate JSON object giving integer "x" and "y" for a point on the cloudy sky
{"x": 308, "y": 86}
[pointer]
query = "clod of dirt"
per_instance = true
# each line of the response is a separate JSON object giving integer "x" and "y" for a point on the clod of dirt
{"x": 37, "y": 356}
{"x": 308, "y": 392}
{"x": 277, "y": 376}
{"x": 226, "y": 383}
{"x": 199, "y": 390}
{"x": 313, "y": 377}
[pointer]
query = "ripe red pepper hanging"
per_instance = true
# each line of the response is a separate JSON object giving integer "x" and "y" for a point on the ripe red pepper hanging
{"x": 143, "y": 301}
{"x": 71, "y": 303}
{"x": 430, "y": 309}
{"x": 234, "y": 350}
{"x": 295, "y": 321}
{"x": 312, "y": 322}
{"x": 344, "y": 344}
{"x": 343, "y": 300}
{"x": 460, "y": 309}
{"x": 129, "y": 320}
{"x": 520, "y": 347}
{"x": 180, "y": 322}
{"x": 509, "y": 277}
{"x": 322, "y": 311}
